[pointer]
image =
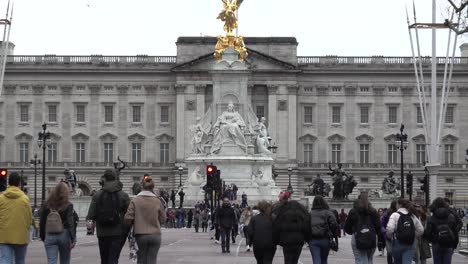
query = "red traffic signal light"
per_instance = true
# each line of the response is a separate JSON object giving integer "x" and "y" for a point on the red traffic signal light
{"x": 3, "y": 172}
{"x": 210, "y": 169}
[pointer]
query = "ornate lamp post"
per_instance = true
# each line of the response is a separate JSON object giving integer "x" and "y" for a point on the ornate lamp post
{"x": 35, "y": 162}
{"x": 402, "y": 143}
{"x": 43, "y": 142}
{"x": 290, "y": 188}
{"x": 180, "y": 169}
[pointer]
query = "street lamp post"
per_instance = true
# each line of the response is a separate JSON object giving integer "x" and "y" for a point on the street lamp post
{"x": 43, "y": 142}
{"x": 290, "y": 188}
{"x": 34, "y": 162}
{"x": 466, "y": 155}
{"x": 402, "y": 143}
{"x": 180, "y": 169}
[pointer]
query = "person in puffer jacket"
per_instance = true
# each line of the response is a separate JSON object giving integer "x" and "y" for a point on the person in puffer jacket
{"x": 441, "y": 216}
{"x": 323, "y": 225}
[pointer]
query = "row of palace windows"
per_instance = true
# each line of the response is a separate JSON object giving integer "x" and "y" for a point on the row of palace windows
{"x": 108, "y": 152}
{"x": 80, "y": 113}
{"x": 365, "y": 110}
{"x": 392, "y": 153}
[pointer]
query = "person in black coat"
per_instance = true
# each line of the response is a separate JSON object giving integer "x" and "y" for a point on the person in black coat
{"x": 173, "y": 196}
{"x": 290, "y": 228}
{"x": 226, "y": 219}
{"x": 260, "y": 230}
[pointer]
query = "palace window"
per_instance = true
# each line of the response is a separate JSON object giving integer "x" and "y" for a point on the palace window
{"x": 80, "y": 152}
{"x": 364, "y": 114}
{"x": 24, "y": 152}
{"x": 420, "y": 153}
{"x": 419, "y": 118}
{"x": 392, "y": 114}
{"x": 164, "y": 153}
{"x": 308, "y": 118}
{"x": 108, "y": 113}
{"x": 364, "y": 153}
{"x": 80, "y": 113}
{"x": 136, "y": 152}
{"x": 108, "y": 152}
{"x": 449, "y": 196}
{"x": 260, "y": 110}
{"x": 136, "y": 114}
{"x": 336, "y": 114}
{"x": 308, "y": 150}
{"x": 164, "y": 114}
{"x": 24, "y": 113}
{"x": 392, "y": 153}
{"x": 336, "y": 153}
{"x": 52, "y": 153}
{"x": 449, "y": 114}
{"x": 448, "y": 153}
{"x": 52, "y": 113}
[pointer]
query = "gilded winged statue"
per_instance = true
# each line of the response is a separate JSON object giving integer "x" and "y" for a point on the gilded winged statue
{"x": 228, "y": 15}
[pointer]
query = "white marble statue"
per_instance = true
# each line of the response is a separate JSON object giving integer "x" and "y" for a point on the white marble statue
{"x": 262, "y": 137}
{"x": 260, "y": 179}
{"x": 229, "y": 128}
{"x": 196, "y": 178}
{"x": 197, "y": 139}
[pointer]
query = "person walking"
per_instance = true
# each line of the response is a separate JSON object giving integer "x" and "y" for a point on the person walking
{"x": 342, "y": 220}
{"x": 383, "y": 228}
{"x": 244, "y": 221}
{"x": 290, "y": 228}
{"x": 260, "y": 231}
{"x": 197, "y": 220}
{"x": 15, "y": 219}
{"x": 107, "y": 209}
{"x": 423, "y": 249}
{"x": 405, "y": 228}
{"x": 181, "y": 197}
{"x": 442, "y": 231}
{"x": 146, "y": 213}
{"x": 244, "y": 202}
{"x": 57, "y": 225}
{"x": 173, "y": 196}
{"x": 364, "y": 225}
{"x": 204, "y": 220}
{"x": 323, "y": 227}
{"x": 189, "y": 218}
{"x": 226, "y": 219}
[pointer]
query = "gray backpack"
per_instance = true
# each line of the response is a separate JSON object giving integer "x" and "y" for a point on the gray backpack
{"x": 54, "y": 224}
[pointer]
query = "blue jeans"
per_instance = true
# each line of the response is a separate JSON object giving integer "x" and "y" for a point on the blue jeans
{"x": 8, "y": 252}
{"x": 441, "y": 255}
{"x": 55, "y": 244}
{"x": 362, "y": 256}
{"x": 402, "y": 253}
{"x": 319, "y": 249}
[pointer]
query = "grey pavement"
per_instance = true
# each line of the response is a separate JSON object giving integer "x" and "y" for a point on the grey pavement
{"x": 186, "y": 246}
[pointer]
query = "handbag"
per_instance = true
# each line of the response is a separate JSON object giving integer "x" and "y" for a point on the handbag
{"x": 333, "y": 244}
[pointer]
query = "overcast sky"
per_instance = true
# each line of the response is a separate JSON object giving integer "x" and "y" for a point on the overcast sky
{"x": 131, "y": 27}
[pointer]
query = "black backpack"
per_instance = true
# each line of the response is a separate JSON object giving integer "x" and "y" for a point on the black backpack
{"x": 365, "y": 234}
{"x": 445, "y": 236}
{"x": 108, "y": 208}
{"x": 405, "y": 230}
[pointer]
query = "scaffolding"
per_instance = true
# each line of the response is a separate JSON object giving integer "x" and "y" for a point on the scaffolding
{"x": 6, "y": 23}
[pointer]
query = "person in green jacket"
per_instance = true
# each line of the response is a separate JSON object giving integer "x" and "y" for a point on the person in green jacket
{"x": 15, "y": 220}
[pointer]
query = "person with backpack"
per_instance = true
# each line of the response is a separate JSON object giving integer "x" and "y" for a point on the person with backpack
{"x": 107, "y": 209}
{"x": 323, "y": 227}
{"x": 383, "y": 226}
{"x": 290, "y": 228}
{"x": 442, "y": 232}
{"x": 260, "y": 231}
{"x": 363, "y": 224}
{"x": 15, "y": 219}
{"x": 404, "y": 227}
{"x": 146, "y": 213}
{"x": 57, "y": 225}
{"x": 226, "y": 219}
{"x": 244, "y": 220}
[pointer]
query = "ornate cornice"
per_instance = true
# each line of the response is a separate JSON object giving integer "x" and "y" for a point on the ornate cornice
{"x": 38, "y": 88}
{"x": 150, "y": 88}
{"x": 95, "y": 88}
{"x": 123, "y": 88}
{"x": 180, "y": 89}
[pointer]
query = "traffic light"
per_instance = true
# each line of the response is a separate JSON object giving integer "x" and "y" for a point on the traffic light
{"x": 3, "y": 179}
{"x": 3, "y": 172}
{"x": 211, "y": 172}
{"x": 425, "y": 184}
{"x": 409, "y": 183}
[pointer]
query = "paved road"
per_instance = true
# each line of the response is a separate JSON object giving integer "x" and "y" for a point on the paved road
{"x": 186, "y": 246}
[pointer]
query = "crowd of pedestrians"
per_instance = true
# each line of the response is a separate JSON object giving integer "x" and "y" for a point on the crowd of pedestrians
{"x": 405, "y": 232}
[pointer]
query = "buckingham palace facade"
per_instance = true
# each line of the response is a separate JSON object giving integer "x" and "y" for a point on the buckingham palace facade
{"x": 140, "y": 108}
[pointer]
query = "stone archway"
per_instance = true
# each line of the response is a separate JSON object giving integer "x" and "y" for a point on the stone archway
{"x": 85, "y": 188}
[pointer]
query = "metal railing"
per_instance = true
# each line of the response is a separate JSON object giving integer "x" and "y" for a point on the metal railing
{"x": 378, "y": 165}
{"x": 93, "y": 59}
{"x": 304, "y": 60}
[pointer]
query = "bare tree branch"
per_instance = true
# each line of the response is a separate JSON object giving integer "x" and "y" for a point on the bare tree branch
{"x": 458, "y": 9}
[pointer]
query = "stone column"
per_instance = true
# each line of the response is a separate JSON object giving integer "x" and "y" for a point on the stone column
{"x": 66, "y": 107}
{"x": 95, "y": 122}
{"x": 350, "y": 122}
{"x": 122, "y": 122}
{"x": 180, "y": 116}
{"x": 292, "y": 122}
{"x": 150, "y": 122}
{"x": 322, "y": 123}
{"x": 379, "y": 124}
{"x": 200, "y": 94}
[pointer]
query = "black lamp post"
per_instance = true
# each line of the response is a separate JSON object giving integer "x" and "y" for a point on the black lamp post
{"x": 466, "y": 155}
{"x": 43, "y": 142}
{"x": 271, "y": 147}
{"x": 290, "y": 188}
{"x": 34, "y": 162}
{"x": 402, "y": 143}
{"x": 180, "y": 169}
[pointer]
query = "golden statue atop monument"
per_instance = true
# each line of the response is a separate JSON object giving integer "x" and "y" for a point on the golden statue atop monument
{"x": 228, "y": 16}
